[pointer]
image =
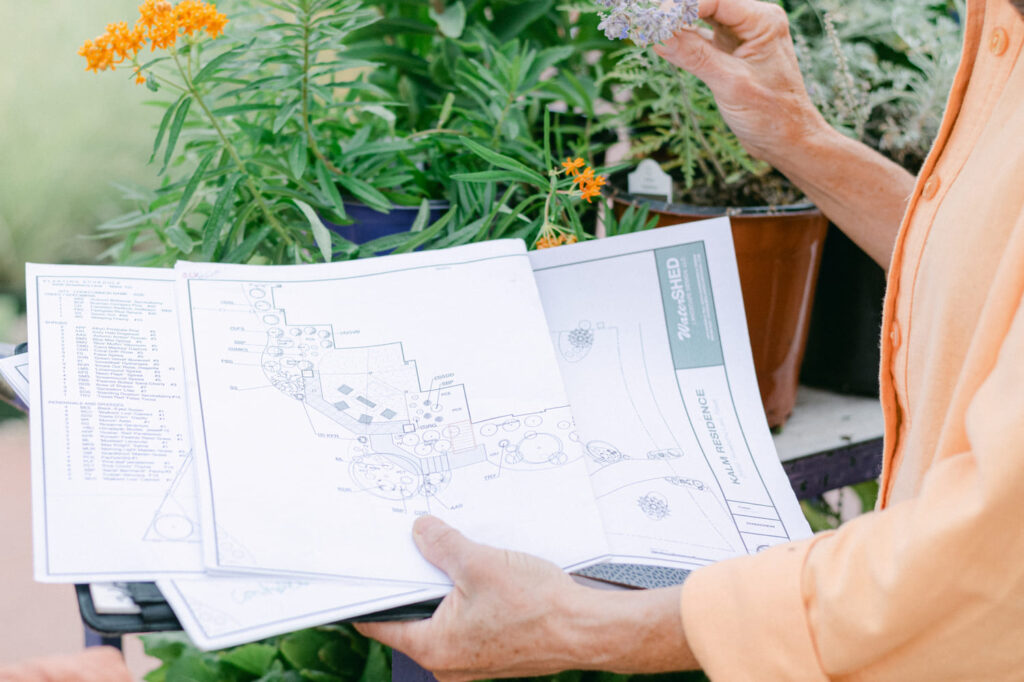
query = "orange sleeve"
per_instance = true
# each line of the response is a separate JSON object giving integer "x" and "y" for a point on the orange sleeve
{"x": 930, "y": 588}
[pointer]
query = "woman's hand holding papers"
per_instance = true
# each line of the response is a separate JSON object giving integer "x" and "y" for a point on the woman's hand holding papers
{"x": 513, "y": 615}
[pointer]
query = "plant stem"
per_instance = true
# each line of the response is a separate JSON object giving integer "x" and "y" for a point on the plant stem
{"x": 699, "y": 134}
{"x": 307, "y": 126}
{"x": 253, "y": 187}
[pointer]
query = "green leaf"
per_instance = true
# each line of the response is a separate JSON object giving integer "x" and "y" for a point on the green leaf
{"x": 320, "y": 676}
{"x": 446, "y": 109}
{"x": 166, "y": 647}
{"x": 422, "y": 216}
{"x": 252, "y": 658}
{"x": 496, "y": 176}
{"x": 180, "y": 239}
{"x": 302, "y": 649}
{"x": 175, "y": 131}
{"x": 163, "y": 125}
{"x": 284, "y": 114}
{"x": 378, "y": 665}
{"x": 298, "y": 158}
{"x": 365, "y": 192}
{"x": 212, "y": 227}
{"x": 503, "y": 161}
{"x": 193, "y": 667}
{"x": 451, "y": 22}
{"x": 512, "y": 19}
{"x": 330, "y": 189}
{"x": 191, "y": 187}
{"x": 217, "y": 62}
{"x": 321, "y": 234}
{"x": 425, "y": 236}
{"x": 243, "y": 251}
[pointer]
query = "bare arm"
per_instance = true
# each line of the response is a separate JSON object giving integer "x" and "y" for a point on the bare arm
{"x": 749, "y": 63}
{"x": 513, "y": 615}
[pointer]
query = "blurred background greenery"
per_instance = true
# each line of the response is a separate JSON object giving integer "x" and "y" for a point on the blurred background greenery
{"x": 65, "y": 136}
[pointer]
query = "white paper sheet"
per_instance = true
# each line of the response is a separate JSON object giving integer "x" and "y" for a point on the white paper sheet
{"x": 112, "y": 488}
{"x": 333, "y": 404}
{"x": 222, "y": 612}
{"x": 14, "y": 371}
{"x": 652, "y": 342}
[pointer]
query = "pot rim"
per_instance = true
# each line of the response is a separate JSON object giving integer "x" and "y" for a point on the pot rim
{"x": 800, "y": 208}
{"x": 432, "y": 204}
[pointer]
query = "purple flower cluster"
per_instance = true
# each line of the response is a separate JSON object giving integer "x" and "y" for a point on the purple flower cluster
{"x": 646, "y": 22}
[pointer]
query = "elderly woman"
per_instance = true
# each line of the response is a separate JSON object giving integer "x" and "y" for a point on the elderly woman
{"x": 931, "y": 584}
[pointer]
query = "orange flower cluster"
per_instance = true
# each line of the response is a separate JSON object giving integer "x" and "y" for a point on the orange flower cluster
{"x": 589, "y": 184}
{"x": 555, "y": 239}
{"x": 160, "y": 22}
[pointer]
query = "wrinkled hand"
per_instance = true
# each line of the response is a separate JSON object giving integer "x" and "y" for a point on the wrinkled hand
{"x": 503, "y": 617}
{"x": 749, "y": 63}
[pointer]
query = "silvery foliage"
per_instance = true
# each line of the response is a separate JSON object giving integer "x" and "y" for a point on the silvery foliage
{"x": 646, "y": 22}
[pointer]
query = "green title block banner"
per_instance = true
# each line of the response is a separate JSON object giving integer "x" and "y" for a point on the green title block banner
{"x": 689, "y": 306}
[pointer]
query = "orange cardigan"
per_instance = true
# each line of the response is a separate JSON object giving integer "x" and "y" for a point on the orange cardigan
{"x": 931, "y": 585}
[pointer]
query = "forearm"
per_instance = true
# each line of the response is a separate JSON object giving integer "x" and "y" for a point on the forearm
{"x": 637, "y": 631}
{"x": 861, "y": 191}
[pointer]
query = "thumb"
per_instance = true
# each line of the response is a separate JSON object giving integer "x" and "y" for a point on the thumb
{"x": 691, "y": 51}
{"x": 441, "y": 545}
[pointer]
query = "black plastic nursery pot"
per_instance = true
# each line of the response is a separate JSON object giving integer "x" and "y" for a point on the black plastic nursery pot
{"x": 843, "y": 350}
{"x": 778, "y": 253}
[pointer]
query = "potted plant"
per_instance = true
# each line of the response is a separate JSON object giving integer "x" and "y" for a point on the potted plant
{"x": 901, "y": 58}
{"x": 672, "y": 118}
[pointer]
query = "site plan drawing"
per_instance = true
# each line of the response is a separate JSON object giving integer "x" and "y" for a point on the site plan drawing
{"x": 334, "y": 404}
{"x": 651, "y": 340}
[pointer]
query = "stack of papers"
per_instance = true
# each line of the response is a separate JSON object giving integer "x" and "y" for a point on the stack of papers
{"x": 259, "y": 440}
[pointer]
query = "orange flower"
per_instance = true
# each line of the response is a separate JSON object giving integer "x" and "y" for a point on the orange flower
{"x": 572, "y": 166}
{"x": 585, "y": 177}
{"x": 139, "y": 78}
{"x": 160, "y": 22}
{"x": 553, "y": 239}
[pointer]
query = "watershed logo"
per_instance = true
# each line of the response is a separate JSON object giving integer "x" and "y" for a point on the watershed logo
{"x": 677, "y": 291}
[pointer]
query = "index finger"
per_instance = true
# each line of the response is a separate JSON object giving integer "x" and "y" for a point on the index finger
{"x": 745, "y": 18}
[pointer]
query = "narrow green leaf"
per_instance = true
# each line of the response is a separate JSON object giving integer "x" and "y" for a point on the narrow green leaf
{"x": 298, "y": 158}
{"x": 422, "y": 216}
{"x": 175, "y": 131}
{"x": 502, "y": 161}
{"x": 217, "y": 62}
{"x": 496, "y": 176}
{"x": 191, "y": 187}
{"x": 446, "y": 109}
{"x": 243, "y": 251}
{"x": 181, "y": 241}
{"x": 365, "y": 192}
{"x": 284, "y": 114}
{"x": 163, "y": 126}
{"x": 321, "y": 235}
{"x": 330, "y": 189}
{"x": 426, "y": 235}
{"x": 212, "y": 227}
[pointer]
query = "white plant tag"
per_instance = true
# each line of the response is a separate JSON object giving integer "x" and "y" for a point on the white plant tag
{"x": 649, "y": 180}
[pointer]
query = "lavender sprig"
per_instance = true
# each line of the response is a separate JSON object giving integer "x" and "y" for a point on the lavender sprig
{"x": 646, "y": 22}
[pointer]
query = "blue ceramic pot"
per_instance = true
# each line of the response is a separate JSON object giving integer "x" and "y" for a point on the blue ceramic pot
{"x": 370, "y": 224}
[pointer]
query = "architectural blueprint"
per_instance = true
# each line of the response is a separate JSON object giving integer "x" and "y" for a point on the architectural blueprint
{"x": 651, "y": 340}
{"x": 334, "y": 404}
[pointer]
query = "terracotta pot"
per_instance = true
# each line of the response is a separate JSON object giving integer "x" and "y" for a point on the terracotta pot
{"x": 778, "y": 252}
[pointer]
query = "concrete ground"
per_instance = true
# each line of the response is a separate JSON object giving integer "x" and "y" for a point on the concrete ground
{"x": 35, "y": 619}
